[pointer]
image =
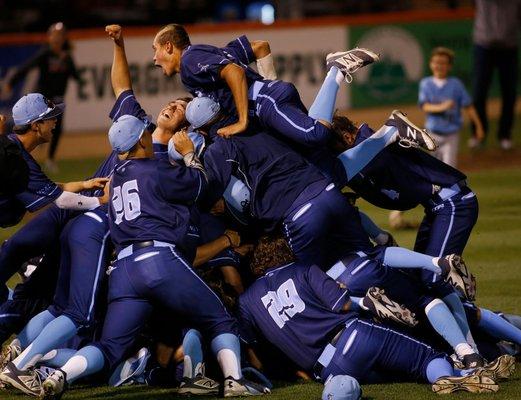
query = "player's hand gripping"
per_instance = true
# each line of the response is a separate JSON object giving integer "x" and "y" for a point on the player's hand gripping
{"x": 106, "y": 193}
{"x": 115, "y": 33}
{"x": 233, "y": 238}
{"x": 95, "y": 183}
{"x": 233, "y": 129}
{"x": 182, "y": 142}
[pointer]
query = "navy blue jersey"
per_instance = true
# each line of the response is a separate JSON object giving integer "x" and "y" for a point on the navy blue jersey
{"x": 160, "y": 151}
{"x": 201, "y": 67}
{"x": 40, "y": 190}
{"x": 151, "y": 200}
{"x": 273, "y": 172}
{"x": 401, "y": 179}
{"x": 298, "y": 308}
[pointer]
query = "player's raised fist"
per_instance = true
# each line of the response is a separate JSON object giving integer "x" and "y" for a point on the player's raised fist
{"x": 114, "y": 32}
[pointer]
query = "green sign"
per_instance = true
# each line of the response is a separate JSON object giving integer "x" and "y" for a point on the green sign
{"x": 404, "y": 51}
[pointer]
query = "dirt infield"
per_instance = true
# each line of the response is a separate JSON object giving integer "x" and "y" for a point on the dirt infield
{"x": 95, "y": 144}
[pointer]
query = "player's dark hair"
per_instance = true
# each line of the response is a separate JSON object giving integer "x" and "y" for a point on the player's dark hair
{"x": 443, "y": 51}
{"x": 21, "y": 129}
{"x": 271, "y": 251}
{"x": 340, "y": 127}
{"x": 175, "y": 34}
{"x": 186, "y": 99}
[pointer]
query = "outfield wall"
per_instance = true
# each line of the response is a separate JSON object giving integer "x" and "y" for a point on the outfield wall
{"x": 299, "y": 48}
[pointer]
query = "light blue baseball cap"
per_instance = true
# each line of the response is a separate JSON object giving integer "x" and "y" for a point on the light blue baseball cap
{"x": 201, "y": 110}
{"x": 35, "y": 107}
{"x": 196, "y": 138}
{"x": 342, "y": 387}
{"x": 125, "y": 132}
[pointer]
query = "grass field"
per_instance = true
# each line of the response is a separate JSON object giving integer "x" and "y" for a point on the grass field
{"x": 493, "y": 254}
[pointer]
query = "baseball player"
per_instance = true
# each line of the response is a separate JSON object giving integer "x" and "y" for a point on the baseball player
{"x": 307, "y": 316}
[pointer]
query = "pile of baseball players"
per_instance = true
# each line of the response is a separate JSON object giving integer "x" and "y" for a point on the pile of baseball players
{"x": 216, "y": 248}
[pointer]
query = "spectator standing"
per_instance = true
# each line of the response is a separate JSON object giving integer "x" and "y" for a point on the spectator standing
{"x": 496, "y": 38}
{"x": 55, "y": 65}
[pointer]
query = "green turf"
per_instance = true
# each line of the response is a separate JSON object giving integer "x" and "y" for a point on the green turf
{"x": 493, "y": 254}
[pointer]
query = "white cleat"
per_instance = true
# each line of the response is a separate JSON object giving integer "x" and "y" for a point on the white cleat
{"x": 348, "y": 62}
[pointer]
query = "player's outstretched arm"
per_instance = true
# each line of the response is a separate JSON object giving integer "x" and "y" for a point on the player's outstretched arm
{"x": 235, "y": 78}
{"x": 119, "y": 74}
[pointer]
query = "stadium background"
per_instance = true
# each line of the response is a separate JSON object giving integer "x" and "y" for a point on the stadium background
{"x": 404, "y": 32}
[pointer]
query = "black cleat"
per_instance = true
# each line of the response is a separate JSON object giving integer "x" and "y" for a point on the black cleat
{"x": 384, "y": 308}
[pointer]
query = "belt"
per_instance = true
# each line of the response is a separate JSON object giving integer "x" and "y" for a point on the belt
{"x": 253, "y": 91}
{"x": 129, "y": 250}
{"x": 329, "y": 351}
{"x": 446, "y": 193}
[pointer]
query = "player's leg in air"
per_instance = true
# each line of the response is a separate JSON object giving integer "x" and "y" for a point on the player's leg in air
{"x": 85, "y": 251}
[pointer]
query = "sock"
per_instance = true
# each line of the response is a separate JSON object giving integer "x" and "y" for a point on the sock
{"x": 193, "y": 354}
{"x": 457, "y": 310}
{"x": 266, "y": 67}
{"x": 323, "y": 106}
{"x": 438, "y": 368}
{"x": 58, "y": 357}
{"x": 53, "y": 335}
{"x": 444, "y": 323}
{"x": 227, "y": 349}
{"x": 356, "y": 158}
{"x": 498, "y": 327}
{"x": 463, "y": 349}
{"x": 85, "y": 362}
{"x": 370, "y": 227}
{"x": 34, "y": 327}
{"x": 398, "y": 257}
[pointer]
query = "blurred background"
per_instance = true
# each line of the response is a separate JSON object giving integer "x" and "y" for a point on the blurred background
{"x": 37, "y": 15}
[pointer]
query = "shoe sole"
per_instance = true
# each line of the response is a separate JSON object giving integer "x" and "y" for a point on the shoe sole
{"x": 430, "y": 143}
{"x": 461, "y": 269}
{"x": 15, "y": 384}
{"x": 378, "y": 295}
{"x": 374, "y": 55}
{"x": 501, "y": 368}
{"x": 472, "y": 384}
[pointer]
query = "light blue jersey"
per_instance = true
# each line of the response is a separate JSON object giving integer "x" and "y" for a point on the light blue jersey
{"x": 449, "y": 121}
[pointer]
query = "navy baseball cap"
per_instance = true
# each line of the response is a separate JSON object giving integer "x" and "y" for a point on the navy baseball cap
{"x": 196, "y": 138}
{"x": 201, "y": 110}
{"x": 35, "y": 107}
{"x": 342, "y": 387}
{"x": 126, "y": 131}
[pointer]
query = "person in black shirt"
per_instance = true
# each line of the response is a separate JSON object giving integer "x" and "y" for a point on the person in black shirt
{"x": 55, "y": 65}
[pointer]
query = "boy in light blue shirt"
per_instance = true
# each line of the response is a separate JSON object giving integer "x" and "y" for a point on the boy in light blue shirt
{"x": 442, "y": 97}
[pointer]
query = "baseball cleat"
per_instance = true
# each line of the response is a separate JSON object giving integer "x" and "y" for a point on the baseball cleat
{"x": 460, "y": 277}
{"x": 9, "y": 353}
{"x": 384, "y": 308}
{"x": 348, "y": 62}
{"x": 410, "y": 135}
{"x": 28, "y": 381}
{"x": 243, "y": 387}
{"x": 469, "y": 383}
{"x": 199, "y": 386}
{"x": 54, "y": 386}
{"x": 501, "y": 368}
{"x": 473, "y": 360}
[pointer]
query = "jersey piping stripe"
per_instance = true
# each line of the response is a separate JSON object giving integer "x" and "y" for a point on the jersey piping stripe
{"x": 116, "y": 114}
{"x": 96, "y": 280}
{"x": 41, "y": 198}
{"x": 340, "y": 298}
{"x": 449, "y": 230}
{"x": 300, "y": 128}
